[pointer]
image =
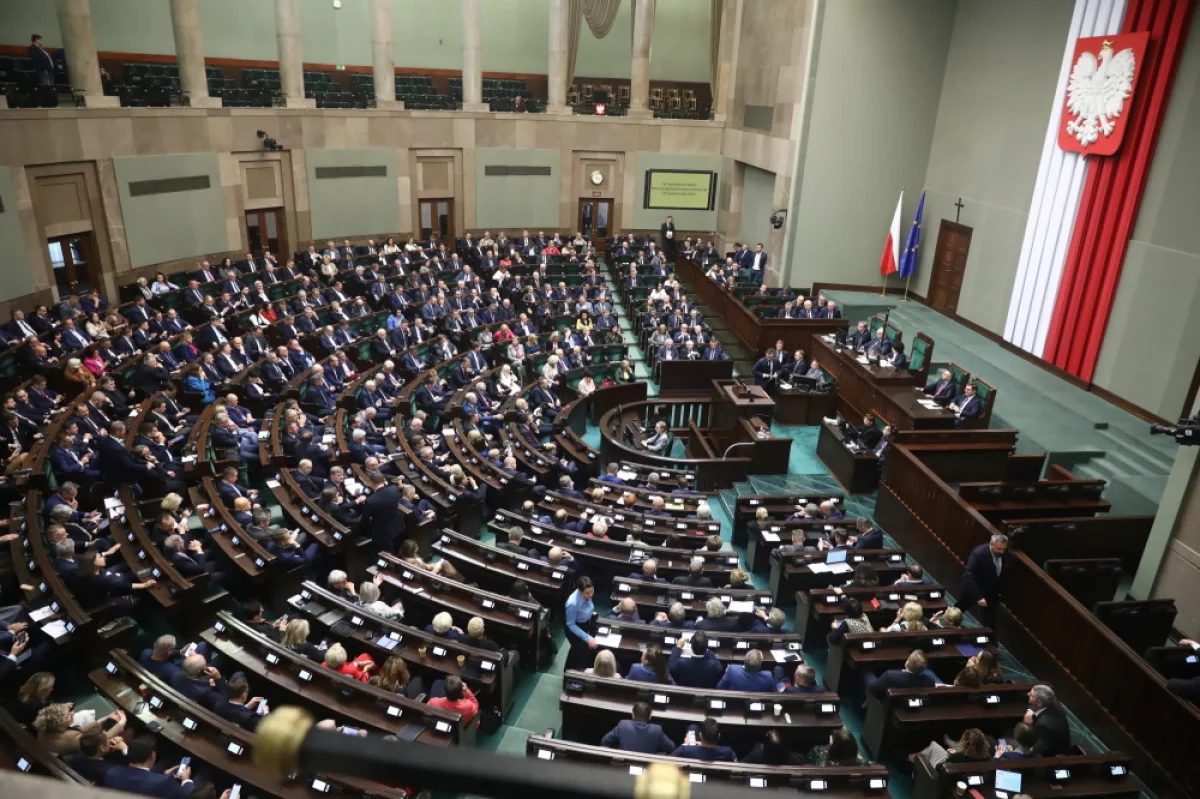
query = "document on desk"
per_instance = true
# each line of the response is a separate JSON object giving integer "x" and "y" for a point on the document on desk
{"x": 819, "y": 568}
{"x": 612, "y": 640}
{"x": 784, "y": 656}
{"x": 773, "y": 537}
{"x": 41, "y": 613}
{"x": 863, "y": 360}
{"x": 55, "y": 629}
{"x": 838, "y": 568}
{"x": 741, "y": 606}
{"x": 929, "y": 404}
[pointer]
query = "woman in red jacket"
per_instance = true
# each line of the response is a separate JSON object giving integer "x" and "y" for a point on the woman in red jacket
{"x": 360, "y": 668}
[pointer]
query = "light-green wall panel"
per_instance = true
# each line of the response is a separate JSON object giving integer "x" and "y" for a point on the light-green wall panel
{"x": 516, "y": 36}
{"x": 987, "y": 142}
{"x": 353, "y": 206}
{"x": 758, "y": 192}
{"x": 679, "y": 49}
{"x": 175, "y": 224}
{"x": 16, "y": 278}
{"x": 684, "y": 220}
{"x": 607, "y": 57}
{"x": 875, "y": 98}
{"x": 517, "y": 201}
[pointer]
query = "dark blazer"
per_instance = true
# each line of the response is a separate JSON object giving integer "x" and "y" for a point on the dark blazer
{"x": 980, "y": 580}
{"x": 146, "y": 783}
{"x": 898, "y": 678}
{"x": 941, "y": 390}
{"x": 725, "y": 624}
{"x": 1053, "y": 733}
{"x": 382, "y": 518}
{"x": 871, "y": 539}
{"x": 707, "y": 753}
{"x": 699, "y": 581}
{"x": 638, "y": 736}
{"x": 199, "y": 690}
{"x": 240, "y": 715}
{"x": 694, "y": 672}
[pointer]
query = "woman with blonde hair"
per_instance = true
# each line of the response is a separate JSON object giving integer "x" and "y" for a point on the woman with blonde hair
{"x": 910, "y": 618}
{"x": 605, "y": 665}
{"x": 360, "y": 668}
{"x": 508, "y": 382}
{"x": 54, "y": 730}
{"x": 550, "y": 369}
{"x": 295, "y": 638}
{"x": 394, "y": 676}
{"x": 34, "y": 696}
{"x": 739, "y": 578}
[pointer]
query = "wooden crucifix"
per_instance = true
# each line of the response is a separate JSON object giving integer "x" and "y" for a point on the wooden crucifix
{"x": 959, "y": 205}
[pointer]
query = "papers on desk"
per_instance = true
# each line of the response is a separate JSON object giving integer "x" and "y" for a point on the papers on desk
{"x": 83, "y": 718}
{"x": 773, "y": 537}
{"x": 353, "y": 487}
{"x": 188, "y": 459}
{"x": 784, "y": 656}
{"x": 742, "y": 606}
{"x": 929, "y": 405}
{"x": 625, "y": 474}
{"x": 41, "y": 613}
{"x": 830, "y": 568}
{"x": 55, "y": 629}
{"x": 272, "y": 484}
{"x": 886, "y": 364}
{"x": 264, "y": 435}
{"x": 862, "y": 359}
{"x": 612, "y": 640}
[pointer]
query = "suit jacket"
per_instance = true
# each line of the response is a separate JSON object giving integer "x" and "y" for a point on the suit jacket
{"x": 898, "y": 678}
{"x": 1053, "y": 733}
{"x": 737, "y": 678}
{"x": 382, "y": 518}
{"x": 147, "y": 783}
{"x": 638, "y": 736}
{"x": 968, "y": 407}
{"x": 941, "y": 390}
{"x": 871, "y": 539}
{"x": 694, "y": 672}
{"x": 199, "y": 690}
{"x": 980, "y": 580}
{"x": 699, "y": 581}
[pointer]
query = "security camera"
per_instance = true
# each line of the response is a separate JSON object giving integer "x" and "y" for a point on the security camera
{"x": 777, "y": 218}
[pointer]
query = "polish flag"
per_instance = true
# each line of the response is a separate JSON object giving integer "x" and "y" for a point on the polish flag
{"x": 889, "y": 262}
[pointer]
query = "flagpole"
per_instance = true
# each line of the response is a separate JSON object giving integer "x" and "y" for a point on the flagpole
{"x": 906, "y": 282}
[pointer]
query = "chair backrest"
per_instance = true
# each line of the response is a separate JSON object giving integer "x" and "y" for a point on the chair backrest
{"x": 987, "y": 395}
{"x": 892, "y": 330}
{"x": 961, "y": 376}
{"x": 920, "y": 356}
{"x": 1141, "y": 625}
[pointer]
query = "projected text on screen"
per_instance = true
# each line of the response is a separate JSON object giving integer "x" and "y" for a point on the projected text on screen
{"x": 680, "y": 190}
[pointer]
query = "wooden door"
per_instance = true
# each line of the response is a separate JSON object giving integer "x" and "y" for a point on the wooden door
{"x": 266, "y": 232}
{"x": 437, "y": 220}
{"x": 75, "y": 263}
{"x": 596, "y": 221}
{"x": 949, "y": 266}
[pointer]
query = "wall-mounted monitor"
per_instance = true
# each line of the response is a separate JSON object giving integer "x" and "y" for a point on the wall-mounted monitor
{"x": 680, "y": 190}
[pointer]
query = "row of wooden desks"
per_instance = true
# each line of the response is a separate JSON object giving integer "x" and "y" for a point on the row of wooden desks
{"x": 890, "y": 392}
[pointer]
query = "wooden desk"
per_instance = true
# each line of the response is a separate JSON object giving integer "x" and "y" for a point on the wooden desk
{"x": 858, "y": 472}
{"x": 592, "y": 705}
{"x": 819, "y": 609}
{"x": 908, "y": 719}
{"x": 690, "y": 377}
{"x": 862, "y": 388}
{"x": 1122, "y": 537}
{"x": 862, "y": 653}
{"x": 1091, "y": 776}
{"x": 727, "y": 647}
{"x": 738, "y": 400}
{"x": 792, "y": 574}
{"x": 654, "y": 598}
{"x": 794, "y": 406}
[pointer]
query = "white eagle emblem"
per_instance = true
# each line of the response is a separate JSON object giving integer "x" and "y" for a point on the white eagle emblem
{"x": 1096, "y": 92}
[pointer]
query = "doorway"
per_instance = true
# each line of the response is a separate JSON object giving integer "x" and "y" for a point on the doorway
{"x": 595, "y": 221}
{"x": 266, "y": 231}
{"x": 949, "y": 265}
{"x": 437, "y": 220}
{"x": 75, "y": 263}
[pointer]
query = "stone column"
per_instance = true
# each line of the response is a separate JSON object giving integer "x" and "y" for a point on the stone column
{"x": 291, "y": 59}
{"x": 727, "y": 57}
{"x": 382, "y": 60}
{"x": 560, "y": 36}
{"x": 472, "y": 48}
{"x": 189, "y": 51}
{"x": 639, "y": 71}
{"x": 75, "y": 22}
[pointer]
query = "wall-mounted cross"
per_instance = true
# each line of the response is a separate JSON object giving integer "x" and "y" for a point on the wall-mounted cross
{"x": 959, "y": 205}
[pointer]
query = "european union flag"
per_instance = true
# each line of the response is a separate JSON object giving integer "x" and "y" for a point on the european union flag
{"x": 908, "y": 258}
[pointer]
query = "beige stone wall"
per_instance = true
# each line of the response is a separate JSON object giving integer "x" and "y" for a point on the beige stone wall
{"x": 37, "y": 142}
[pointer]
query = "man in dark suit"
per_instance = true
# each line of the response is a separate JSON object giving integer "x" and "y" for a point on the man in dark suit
{"x": 966, "y": 405}
{"x": 668, "y": 237}
{"x": 199, "y": 682}
{"x": 140, "y": 777}
{"x": 942, "y": 389}
{"x": 1049, "y": 723}
{"x": 382, "y": 518}
{"x": 982, "y": 582}
{"x": 911, "y": 676}
{"x": 238, "y": 707}
{"x": 766, "y": 369}
{"x": 701, "y": 670}
{"x": 43, "y": 63}
{"x": 695, "y": 577}
{"x": 869, "y": 535}
{"x": 637, "y": 734}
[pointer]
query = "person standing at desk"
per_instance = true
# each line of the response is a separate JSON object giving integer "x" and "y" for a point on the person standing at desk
{"x": 983, "y": 581}
{"x": 668, "y": 237}
{"x": 580, "y": 610}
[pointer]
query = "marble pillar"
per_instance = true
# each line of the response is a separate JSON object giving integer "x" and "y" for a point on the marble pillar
{"x": 472, "y": 50}
{"x": 291, "y": 58}
{"x": 639, "y": 69}
{"x": 560, "y": 37}
{"x": 189, "y": 51}
{"x": 75, "y": 23}
{"x": 727, "y": 56}
{"x": 383, "y": 62}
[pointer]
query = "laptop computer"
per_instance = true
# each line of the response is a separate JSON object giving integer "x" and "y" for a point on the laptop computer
{"x": 1009, "y": 781}
{"x": 836, "y": 556}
